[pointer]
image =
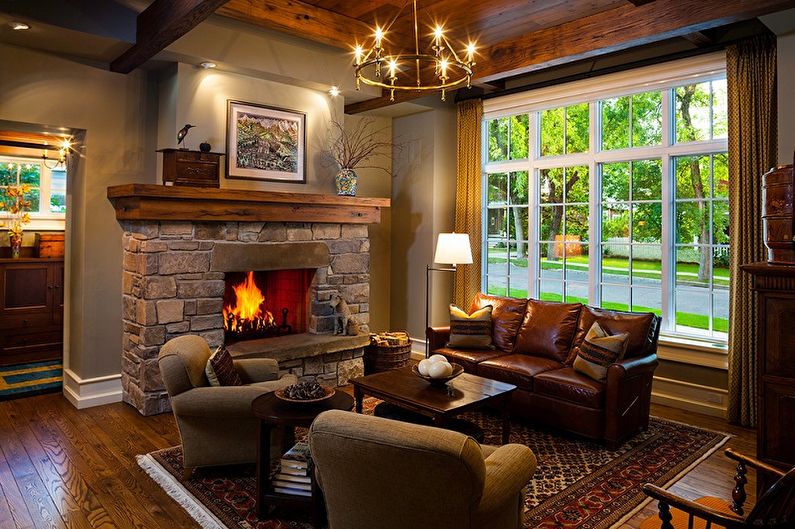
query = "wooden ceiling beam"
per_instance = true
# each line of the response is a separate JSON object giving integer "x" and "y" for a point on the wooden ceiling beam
{"x": 299, "y": 19}
{"x": 160, "y": 24}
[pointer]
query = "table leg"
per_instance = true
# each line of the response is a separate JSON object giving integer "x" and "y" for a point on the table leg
{"x": 506, "y": 421}
{"x": 263, "y": 467}
{"x": 358, "y": 395}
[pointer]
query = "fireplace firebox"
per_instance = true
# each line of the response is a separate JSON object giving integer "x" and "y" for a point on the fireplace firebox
{"x": 265, "y": 304}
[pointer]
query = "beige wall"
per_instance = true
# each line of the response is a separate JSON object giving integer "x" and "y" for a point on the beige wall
{"x": 423, "y": 195}
{"x": 786, "y": 98}
{"x": 116, "y": 111}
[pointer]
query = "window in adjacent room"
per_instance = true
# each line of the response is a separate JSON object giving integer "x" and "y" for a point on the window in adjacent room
{"x": 48, "y": 189}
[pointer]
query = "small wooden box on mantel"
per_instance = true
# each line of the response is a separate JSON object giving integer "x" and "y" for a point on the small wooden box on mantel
{"x": 182, "y": 167}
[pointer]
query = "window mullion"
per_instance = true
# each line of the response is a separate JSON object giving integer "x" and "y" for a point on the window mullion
{"x": 533, "y": 209}
{"x": 594, "y": 214}
{"x": 668, "y": 264}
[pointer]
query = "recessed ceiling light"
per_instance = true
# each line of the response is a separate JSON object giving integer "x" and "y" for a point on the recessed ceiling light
{"x": 19, "y": 26}
{"x": 208, "y": 65}
{"x": 334, "y": 91}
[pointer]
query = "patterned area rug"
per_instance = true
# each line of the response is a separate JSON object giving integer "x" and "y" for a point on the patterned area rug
{"x": 26, "y": 380}
{"x": 579, "y": 484}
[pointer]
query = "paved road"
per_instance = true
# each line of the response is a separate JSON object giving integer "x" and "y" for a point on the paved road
{"x": 690, "y": 301}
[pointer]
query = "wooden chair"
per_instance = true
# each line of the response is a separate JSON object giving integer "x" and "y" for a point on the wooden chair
{"x": 775, "y": 508}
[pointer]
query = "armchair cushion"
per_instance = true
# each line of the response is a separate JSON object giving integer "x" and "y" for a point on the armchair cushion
{"x": 220, "y": 369}
{"x": 506, "y": 318}
{"x": 468, "y": 358}
{"x": 257, "y": 369}
{"x": 508, "y": 469}
{"x": 221, "y": 402}
{"x": 518, "y": 370}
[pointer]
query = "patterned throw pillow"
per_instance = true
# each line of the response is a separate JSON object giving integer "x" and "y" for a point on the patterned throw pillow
{"x": 598, "y": 350}
{"x": 220, "y": 369}
{"x": 472, "y": 331}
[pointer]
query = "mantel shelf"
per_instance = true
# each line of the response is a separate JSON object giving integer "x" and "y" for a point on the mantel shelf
{"x": 170, "y": 203}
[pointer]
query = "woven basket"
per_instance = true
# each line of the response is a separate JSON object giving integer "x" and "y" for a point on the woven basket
{"x": 378, "y": 358}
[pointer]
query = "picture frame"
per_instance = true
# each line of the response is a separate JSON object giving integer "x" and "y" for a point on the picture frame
{"x": 265, "y": 143}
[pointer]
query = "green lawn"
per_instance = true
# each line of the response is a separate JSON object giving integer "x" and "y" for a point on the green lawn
{"x": 687, "y": 319}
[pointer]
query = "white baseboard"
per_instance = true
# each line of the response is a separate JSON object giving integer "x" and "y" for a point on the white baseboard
{"x": 689, "y": 396}
{"x": 417, "y": 349}
{"x": 88, "y": 392}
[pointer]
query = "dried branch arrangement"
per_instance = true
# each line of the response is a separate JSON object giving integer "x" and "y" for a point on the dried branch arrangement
{"x": 354, "y": 148}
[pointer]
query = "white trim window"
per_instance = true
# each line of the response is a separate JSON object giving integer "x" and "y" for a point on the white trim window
{"x": 48, "y": 190}
{"x": 614, "y": 192}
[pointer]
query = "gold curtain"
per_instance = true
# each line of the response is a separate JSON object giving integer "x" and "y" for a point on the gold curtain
{"x": 468, "y": 197}
{"x": 751, "y": 80}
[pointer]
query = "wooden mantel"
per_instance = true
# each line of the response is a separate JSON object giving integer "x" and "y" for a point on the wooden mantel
{"x": 169, "y": 203}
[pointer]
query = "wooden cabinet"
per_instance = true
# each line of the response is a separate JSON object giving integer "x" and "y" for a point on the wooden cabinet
{"x": 31, "y": 310}
{"x": 191, "y": 168}
{"x": 775, "y": 285}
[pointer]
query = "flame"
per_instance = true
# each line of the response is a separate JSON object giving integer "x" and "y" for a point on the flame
{"x": 246, "y": 312}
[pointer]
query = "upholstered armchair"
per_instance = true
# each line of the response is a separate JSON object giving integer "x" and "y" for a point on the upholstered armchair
{"x": 215, "y": 423}
{"x": 381, "y": 474}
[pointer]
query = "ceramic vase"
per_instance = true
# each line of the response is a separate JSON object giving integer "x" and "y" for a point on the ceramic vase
{"x": 16, "y": 247}
{"x": 346, "y": 181}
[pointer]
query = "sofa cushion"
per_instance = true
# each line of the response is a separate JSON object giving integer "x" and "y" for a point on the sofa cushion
{"x": 567, "y": 384}
{"x": 470, "y": 330}
{"x": 516, "y": 369}
{"x": 468, "y": 358}
{"x": 637, "y": 324}
{"x": 598, "y": 350}
{"x": 506, "y": 318}
{"x": 548, "y": 329}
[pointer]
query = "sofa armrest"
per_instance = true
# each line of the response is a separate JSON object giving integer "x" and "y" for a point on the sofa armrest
{"x": 508, "y": 469}
{"x": 257, "y": 369}
{"x": 631, "y": 367}
{"x": 437, "y": 337}
{"x": 221, "y": 402}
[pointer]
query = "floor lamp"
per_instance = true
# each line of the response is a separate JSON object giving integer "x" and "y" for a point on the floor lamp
{"x": 452, "y": 249}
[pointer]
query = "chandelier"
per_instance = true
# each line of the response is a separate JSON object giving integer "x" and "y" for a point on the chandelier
{"x": 394, "y": 71}
{"x": 63, "y": 151}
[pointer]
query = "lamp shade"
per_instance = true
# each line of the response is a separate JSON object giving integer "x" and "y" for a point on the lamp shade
{"x": 453, "y": 248}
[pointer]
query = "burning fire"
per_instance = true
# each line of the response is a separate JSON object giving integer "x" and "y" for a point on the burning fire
{"x": 246, "y": 314}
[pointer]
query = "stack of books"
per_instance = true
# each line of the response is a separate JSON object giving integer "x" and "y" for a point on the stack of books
{"x": 293, "y": 475}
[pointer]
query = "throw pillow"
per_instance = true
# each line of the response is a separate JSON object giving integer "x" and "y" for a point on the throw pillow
{"x": 472, "y": 331}
{"x": 598, "y": 350}
{"x": 220, "y": 369}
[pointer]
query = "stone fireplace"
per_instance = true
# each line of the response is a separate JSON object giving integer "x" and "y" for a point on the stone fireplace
{"x": 180, "y": 277}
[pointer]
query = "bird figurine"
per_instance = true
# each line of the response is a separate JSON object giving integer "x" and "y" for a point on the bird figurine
{"x": 181, "y": 135}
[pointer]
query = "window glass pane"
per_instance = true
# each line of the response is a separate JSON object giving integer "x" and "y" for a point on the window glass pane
{"x": 576, "y": 292}
{"x": 646, "y": 264}
{"x": 497, "y": 286}
{"x": 720, "y": 267}
{"x": 518, "y": 186}
{"x": 720, "y": 312}
{"x": 519, "y": 137}
{"x": 58, "y": 191}
{"x": 35, "y": 199}
{"x": 551, "y": 222}
{"x": 692, "y": 310}
{"x": 615, "y": 297}
{"x": 5, "y": 200}
{"x": 577, "y": 223}
{"x": 549, "y": 290}
{"x": 551, "y": 254}
{"x": 576, "y": 184}
{"x": 693, "y": 266}
{"x": 552, "y": 185}
{"x": 615, "y": 181}
{"x": 646, "y": 119}
{"x": 497, "y": 221}
{"x": 646, "y": 300}
{"x": 692, "y": 177}
{"x": 30, "y": 174}
{"x": 720, "y": 174}
{"x": 615, "y": 263}
{"x": 647, "y": 180}
{"x": 615, "y": 222}
{"x": 647, "y": 222}
{"x": 518, "y": 269}
{"x": 615, "y": 123}
{"x": 497, "y": 184}
{"x": 720, "y": 222}
{"x": 498, "y": 139}
{"x": 576, "y": 266}
{"x": 692, "y": 222}
{"x": 496, "y": 264}
{"x": 552, "y": 132}
{"x": 692, "y": 113}
{"x": 720, "y": 114}
{"x": 577, "y": 122}
{"x": 517, "y": 228}
{"x": 8, "y": 174}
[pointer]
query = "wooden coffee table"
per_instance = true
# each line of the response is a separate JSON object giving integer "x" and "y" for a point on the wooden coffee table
{"x": 272, "y": 412}
{"x": 464, "y": 393}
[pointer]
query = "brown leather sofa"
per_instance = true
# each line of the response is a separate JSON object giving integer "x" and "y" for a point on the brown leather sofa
{"x": 536, "y": 343}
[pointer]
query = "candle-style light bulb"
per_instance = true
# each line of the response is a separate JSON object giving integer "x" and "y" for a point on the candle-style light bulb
{"x": 358, "y": 52}
{"x": 379, "y": 35}
{"x": 438, "y": 31}
{"x": 470, "y": 51}
{"x": 392, "y": 66}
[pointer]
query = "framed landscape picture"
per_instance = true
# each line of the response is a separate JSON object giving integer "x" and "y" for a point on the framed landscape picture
{"x": 265, "y": 143}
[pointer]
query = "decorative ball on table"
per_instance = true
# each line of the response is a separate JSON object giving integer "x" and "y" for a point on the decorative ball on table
{"x": 205, "y": 147}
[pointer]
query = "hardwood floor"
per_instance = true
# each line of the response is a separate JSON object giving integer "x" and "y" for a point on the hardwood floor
{"x": 64, "y": 468}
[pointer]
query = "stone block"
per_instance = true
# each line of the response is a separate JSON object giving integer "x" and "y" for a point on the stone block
{"x": 214, "y": 338}
{"x": 356, "y": 293}
{"x": 177, "y": 328}
{"x": 129, "y": 364}
{"x": 350, "y": 263}
{"x": 182, "y": 245}
{"x": 330, "y": 367}
{"x": 346, "y": 355}
{"x": 321, "y": 309}
{"x": 200, "y": 289}
{"x": 190, "y": 307}
{"x": 297, "y": 371}
{"x": 348, "y": 369}
{"x": 332, "y": 357}
{"x": 352, "y": 279}
{"x": 273, "y": 232}
{"x": 328, "y": 379}
{"x": 203, "y": 323}
{"x": 214, "y": 231}
{"x": 153, "y": 246}
{"x": 213, "y": 275}
{"x": 146, "y": 352}
{"x": 157, "y": 287}
{"x": 206, "y": 245}
{"x": 170, "y": 311}
{"x": 132, "y": 245}
{"x": 143, "y": 230}
{"x": 232, "y": 230}
{"x": 289, "y": 364}
{"x": 145, "y": 312}
{"x": 313, "y": 366}
{"x": 209, "y": 306}
{"x": 250, "y": 227}
{"x": 128, "y": 307}
{"x": 324, "y": 295}
{"x": 155, "y": 335}
{"x": 299, "y": 234}
{"x": 184, "y": 263}
{"x": 358, "y": 353}
{"x": 354, "y": 231}
{"x": 127, "y": 281}
{"x": 335, "y": 280}
{"x": 247, "y": 236}
{"x": 325, "y": 231}
{"x": 365, "y": 247}
{"x": 321, "y": 324}
{"x": 150, "y": 379}
{"x": 190, "y": 277}
{"x": 176, "y": 228}
{"x": 343, "y": 246}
